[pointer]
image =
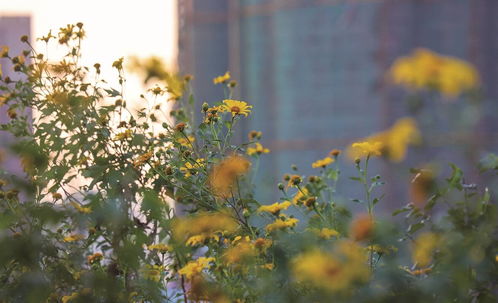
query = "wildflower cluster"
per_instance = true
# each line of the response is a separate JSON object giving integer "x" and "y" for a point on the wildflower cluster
{"x": 143, "y": 204}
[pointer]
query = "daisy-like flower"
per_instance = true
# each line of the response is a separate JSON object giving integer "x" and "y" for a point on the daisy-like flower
{"x": 258, "y": 149}
{"x": 194, "y": 268}
{"x": 274, "y": 208}
{"x": 366, "y": 148}
{"x": 322, "y": 163}
{"x": 281, "y": 224}
{"x": 236, "y": 107}
{"x": 222, "y": 79}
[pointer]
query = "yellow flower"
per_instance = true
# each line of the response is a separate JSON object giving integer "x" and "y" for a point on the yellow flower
{"x": 200, "y": 239}
{"x": 223, "y": 176}
{"x": 187, "y": 142}
{"x": 424, "y": 247}
{"x": 74, "y": 237}
{"x": 262, "y": 244}
{"x": 222, "y": 79}
{"x": 242, "y": 251}
{"x": 294, "y": 181}
{"x": 254, "y": 135}
{"x": 395, "y": 140}
{"x": 236, "y": 107}
{"x": 300, "y": 195}
{"x": 4, "y": 52}
{"x": 94, "y": 258}
{"x": 325, "y": 233}
{"x": 365, "y": 149}
{"x": 322, "y": 163}
{"x": 332, "y": 271}
{"x": 258, "y": 149}
{"x": 269, "y": 266}
{"x": 392, "y": 143}
{"x": 425, "y": 69}
{"x": 212, "y": 113}
{"x": 160, "y": 247}
{"x": 81, "y": 209}
{"x": 66, "y": 299}
{"x": 191, "y": 169}
{"x": 203, "y": 226}
{"x": 281, "y": 224}
{"x": 274, "y": 208}
{"x": 142, "y": 159}
{"x": 194, "y": 268}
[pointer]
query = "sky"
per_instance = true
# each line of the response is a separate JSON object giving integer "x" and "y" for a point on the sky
{"x": 114, "y": 28}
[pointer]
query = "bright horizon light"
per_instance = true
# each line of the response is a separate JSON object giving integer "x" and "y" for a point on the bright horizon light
{"x": 113, "y": 28}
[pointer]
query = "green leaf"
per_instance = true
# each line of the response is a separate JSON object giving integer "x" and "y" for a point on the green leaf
{"x": 112, "y": 92}
{"x": 414, "y": 227}
{"x": 152, "y": 205}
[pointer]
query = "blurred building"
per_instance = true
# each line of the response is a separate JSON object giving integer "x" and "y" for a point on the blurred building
{"x": 11, "y": 29}
{"x": 314, "y": 71}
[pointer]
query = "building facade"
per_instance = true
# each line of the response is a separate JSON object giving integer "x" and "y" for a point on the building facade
{"x": 315, "y": 72}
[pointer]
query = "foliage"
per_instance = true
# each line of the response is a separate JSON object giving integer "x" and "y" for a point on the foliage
{"x": 119, "y": 206}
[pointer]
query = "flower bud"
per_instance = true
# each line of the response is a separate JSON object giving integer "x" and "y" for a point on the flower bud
{"x": 205, "y": 107}
{"x": 180, "y": 127}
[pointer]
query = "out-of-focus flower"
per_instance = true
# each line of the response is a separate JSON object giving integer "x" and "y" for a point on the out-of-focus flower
{"x": 203, "y": 226}
{"x": 274, "y": 208}
{"x": 362, "y": 227}
{"x": 424, "y": 247}
{"x": 187, "y": 142}
{"x": 392, "y": 143}
{"x": 425, "y": 69}
{"x": 325, "y": 233}
{"x": 4, "y": 52}
{"x": 222, "y": 79}
{"x": 334, "y": 271}
{"x": 281, "y": 223}
{"x": 236, "y": 107}
{"x": 262, "y": 244}
{"x": 243, "y": 251}
{"x": 142, "y": 159}
{"x": 69, "y": 298}
{"x": 322, "y": 163}
{"x": 194, "y": 268}
{"x": 420, "y": 187}
{"x": 254, "y": 135}
{"x": 94, "y": 258}
{"x": 74, "y": 237}
{"x": 257, "y": 149}
{"x": 223, "y": 176}
{"x": 81, "y": 209}
{"x": 365, "y": 149}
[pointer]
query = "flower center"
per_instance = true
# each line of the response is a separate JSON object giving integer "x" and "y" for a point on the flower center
{"x": 235, "y": 109}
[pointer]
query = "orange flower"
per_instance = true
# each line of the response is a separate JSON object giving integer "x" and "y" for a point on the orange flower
{"x": 362, "y": 227}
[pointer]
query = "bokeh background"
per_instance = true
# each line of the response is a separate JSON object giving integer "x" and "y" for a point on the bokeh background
{"x": 315, "y": 70}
